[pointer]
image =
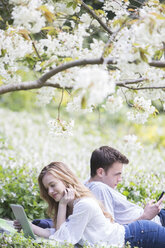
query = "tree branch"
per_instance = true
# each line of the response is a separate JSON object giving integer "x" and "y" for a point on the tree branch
{"x": 125, "y": 83}
{"x": 133, "y": 81}
{"x": 156, "y": 63}
{"x": 143, "y": 88}
{"x": 110, "y": 40}
{"x": 59, "y": 106}
{"x": 92, "y": 13}
{"x": 41, "y": 81}
{"x": 72, "y": 64}
{"x": 129, "y": 104}
{"x": 35, "y": 49}
{"x": 57, "y": 86}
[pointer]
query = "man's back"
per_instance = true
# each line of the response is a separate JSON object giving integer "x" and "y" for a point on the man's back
{"x": 122, "y": 210}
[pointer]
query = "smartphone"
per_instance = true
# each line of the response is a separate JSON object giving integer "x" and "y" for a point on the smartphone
{"x": 161, "y": 195}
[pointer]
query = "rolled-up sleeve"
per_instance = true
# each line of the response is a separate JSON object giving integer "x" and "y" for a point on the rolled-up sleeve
{"x": 72, "y": 229}
{"x": 51, "y": 230}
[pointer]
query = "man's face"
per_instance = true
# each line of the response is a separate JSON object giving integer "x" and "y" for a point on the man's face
{"x": 113, "y": 175}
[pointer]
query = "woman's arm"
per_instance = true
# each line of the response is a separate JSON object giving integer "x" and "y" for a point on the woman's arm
{"x": 61, "y": 215}
{"x": 72, "y": 230}
{"x": 62, "y": 207}
{"x": 45, "y": 233}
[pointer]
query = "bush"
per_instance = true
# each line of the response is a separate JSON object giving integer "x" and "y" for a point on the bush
{"x": 19, "y": 241}
{"x": 20, "y": 186}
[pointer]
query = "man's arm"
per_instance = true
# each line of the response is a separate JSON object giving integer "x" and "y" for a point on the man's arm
{"x": 151, "y": 210}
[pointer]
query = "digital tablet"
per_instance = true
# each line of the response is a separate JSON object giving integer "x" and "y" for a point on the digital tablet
{"x": 20, "y": 215}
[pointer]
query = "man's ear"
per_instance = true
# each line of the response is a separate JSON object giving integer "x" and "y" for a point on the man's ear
{"x": 100, "y": 172}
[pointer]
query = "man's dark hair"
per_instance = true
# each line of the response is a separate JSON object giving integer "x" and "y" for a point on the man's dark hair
{"x": 104, "y": 157}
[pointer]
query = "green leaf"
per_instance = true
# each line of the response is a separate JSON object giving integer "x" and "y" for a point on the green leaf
{"x": 158, "y": 54}
{"x": 83, "y": 102}
{"x": 143, "y": 53}
{"x": 143, "y": 57}
{"x": 74, "y": 6}
{"x": 66, "y": 28}
{"x": 69, "y": 4}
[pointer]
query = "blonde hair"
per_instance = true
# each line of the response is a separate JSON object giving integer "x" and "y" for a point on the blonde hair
{"x": 61, "y": 171}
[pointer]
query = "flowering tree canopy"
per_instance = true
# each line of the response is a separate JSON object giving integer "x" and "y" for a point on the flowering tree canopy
{"x": 103, "y": 57}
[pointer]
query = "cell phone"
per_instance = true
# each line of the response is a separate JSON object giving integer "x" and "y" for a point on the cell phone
{"x": 161, "y": 195}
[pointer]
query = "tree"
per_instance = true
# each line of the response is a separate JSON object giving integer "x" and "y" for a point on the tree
{"x": 100, "y": 59}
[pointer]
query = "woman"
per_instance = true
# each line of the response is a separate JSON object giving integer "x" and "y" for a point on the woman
{"x": 79, "y": 218}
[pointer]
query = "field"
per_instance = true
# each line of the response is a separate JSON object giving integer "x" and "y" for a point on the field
{"x": 27, "y": 143}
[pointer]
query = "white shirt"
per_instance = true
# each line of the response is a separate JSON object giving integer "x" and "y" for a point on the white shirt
{"x": 122, "y": 210}
{"x": 88, "y": 225}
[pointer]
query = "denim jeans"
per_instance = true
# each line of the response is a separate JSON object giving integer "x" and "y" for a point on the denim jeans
{"x": 162, "y": 216}
{"x": 145, "y": 234}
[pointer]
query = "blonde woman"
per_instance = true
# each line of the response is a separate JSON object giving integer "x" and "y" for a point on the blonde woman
{"x": 79, "y": 218}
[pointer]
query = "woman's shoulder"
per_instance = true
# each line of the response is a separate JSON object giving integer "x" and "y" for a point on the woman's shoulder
{"x": 87, "y": 207}
{"x": 85, "y": 202}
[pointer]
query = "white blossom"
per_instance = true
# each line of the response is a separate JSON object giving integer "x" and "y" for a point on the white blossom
{"x": 143, "y": 109}
{"x": 44, "y": 96}
{"x": 22, "y": 53}
{"x": 61, "y": 128}
{"x": 76, "y": 106}
{"x": 114, "y": 104}
{"x": 85, "y": 18}
{"x": 62, "y": 7}
{"x": 29, "y": 16}
{"x": 118, "y": 7}
{"x": 96, "y": 82}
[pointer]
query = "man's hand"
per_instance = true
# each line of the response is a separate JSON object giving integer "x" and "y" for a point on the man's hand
{"x": 152, "y": 209}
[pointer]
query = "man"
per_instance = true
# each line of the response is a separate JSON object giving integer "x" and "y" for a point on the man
{"x": 106, "y": 166}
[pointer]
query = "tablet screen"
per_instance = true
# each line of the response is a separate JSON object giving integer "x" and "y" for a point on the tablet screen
{"x": 20, "y": 215}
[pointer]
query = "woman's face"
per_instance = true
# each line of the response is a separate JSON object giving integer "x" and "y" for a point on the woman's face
{"x": 54, "y": 186}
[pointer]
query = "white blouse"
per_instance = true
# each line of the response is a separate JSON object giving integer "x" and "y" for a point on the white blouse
{"x": 88, "y": 225}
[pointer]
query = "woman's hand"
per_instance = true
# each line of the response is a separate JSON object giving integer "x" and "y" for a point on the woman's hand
{"x": 69, "y": 195}
{"x": 66, "y": 200}
{"x": 17, "y": 225}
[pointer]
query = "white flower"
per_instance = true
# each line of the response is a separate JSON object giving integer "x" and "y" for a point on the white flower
{"x": 132, "y": 140}
{"x": 142, "y": 110}
{"x": 61, "y": 128}
{"x": 118, "y": 7}
{"x": 44, "y": 96}
{"x": 15, "y": 45}
{"x": 8, "y": 239}
{"x": 76, "y": 106}
{"x": 143, "y": 104}
{"x": 114, "y": 104}
{"x": 95, "y": 83}
{"x": 97, "y": 47}
{"x": 164, "y": 106}
{"x": 29, "y": 16}
{"x": 62, "y": 7}
{"x": 85, "y": 18}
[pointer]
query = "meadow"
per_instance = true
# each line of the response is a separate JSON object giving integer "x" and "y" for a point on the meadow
{"x": 27, "y": 143}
